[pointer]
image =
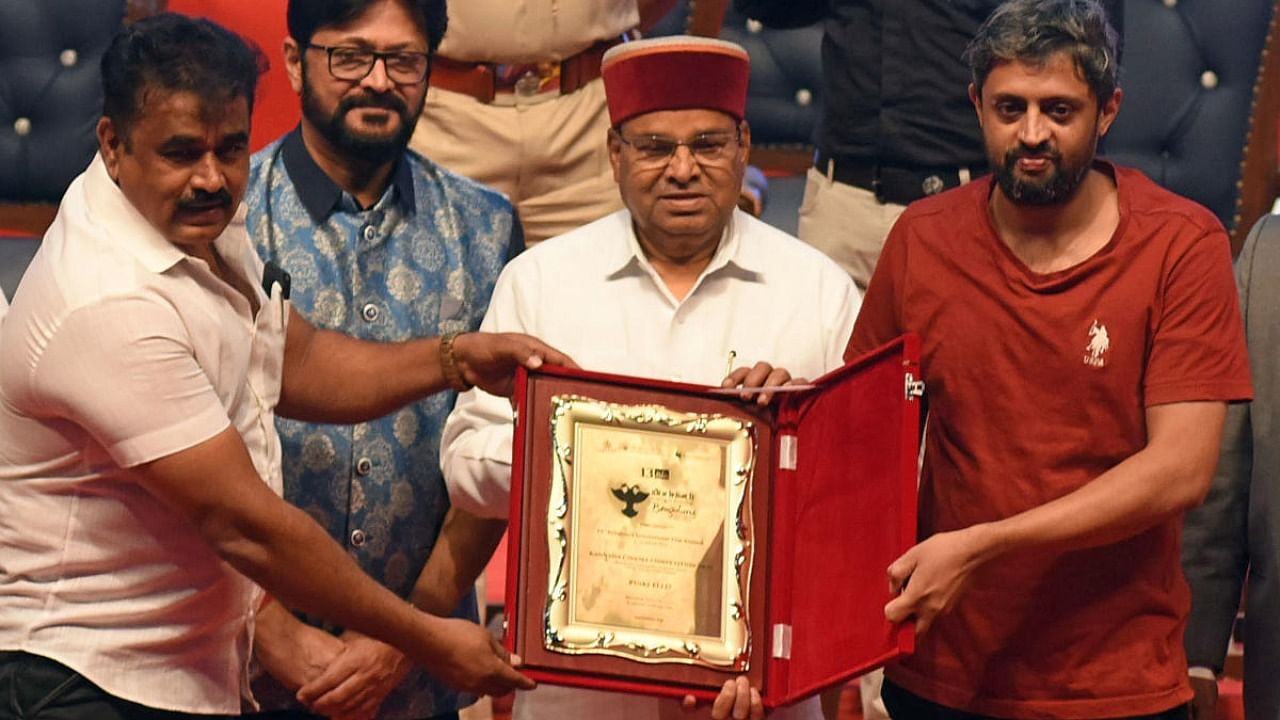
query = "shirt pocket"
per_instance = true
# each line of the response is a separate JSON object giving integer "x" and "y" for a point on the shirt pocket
{"x": 267, "y": 361}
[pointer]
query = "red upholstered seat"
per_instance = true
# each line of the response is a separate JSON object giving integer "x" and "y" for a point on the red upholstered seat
{"x": 1230, "y": 699}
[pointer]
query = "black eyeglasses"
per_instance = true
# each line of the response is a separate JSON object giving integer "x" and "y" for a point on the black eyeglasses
{"x": 353, "y": 63}
{"x": 707, "y": 148}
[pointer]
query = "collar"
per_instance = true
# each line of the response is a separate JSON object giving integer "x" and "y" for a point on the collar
{"x": 319, "y": 193}
{"x": 107, "y": 204}
{"x": 127, "y": 227}
{"x": 732, "y": 257}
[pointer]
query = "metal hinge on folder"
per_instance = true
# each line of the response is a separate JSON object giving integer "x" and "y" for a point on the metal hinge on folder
{"x": 787, "y": 452}
{"x": 915, "y": 388}
{"x": 782, "y": 641}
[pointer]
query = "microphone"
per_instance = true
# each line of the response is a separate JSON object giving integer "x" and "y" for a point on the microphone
{"x": 273, "y": 274}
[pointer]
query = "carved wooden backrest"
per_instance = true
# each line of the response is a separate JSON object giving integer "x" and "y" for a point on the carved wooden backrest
{"x": 1260, "y": 168}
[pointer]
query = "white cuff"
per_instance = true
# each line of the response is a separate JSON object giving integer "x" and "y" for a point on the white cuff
{"x": 1199, "y": 671}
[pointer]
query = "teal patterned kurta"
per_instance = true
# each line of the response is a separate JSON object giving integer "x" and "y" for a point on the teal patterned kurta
{"x": 421, "y": 262}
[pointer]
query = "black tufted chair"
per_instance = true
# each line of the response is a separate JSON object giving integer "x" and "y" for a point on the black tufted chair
{"x": 50, "y": 102}
{"x": 785, "y": 90}
{"x": 1199, "y": 113}
{"x": 50, "y": 96}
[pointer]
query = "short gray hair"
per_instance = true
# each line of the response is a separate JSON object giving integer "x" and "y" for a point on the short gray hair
{"x": 1032, "y": 31}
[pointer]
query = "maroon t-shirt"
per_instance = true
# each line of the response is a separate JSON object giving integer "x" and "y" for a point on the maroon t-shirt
{"x": 1037, "y": 384}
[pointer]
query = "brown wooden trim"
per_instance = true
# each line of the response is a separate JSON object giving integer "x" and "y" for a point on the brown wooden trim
{"x": 706, "y": 17}
{"x": 1259, "y": 183}
{"x": 138, "y": 9}
{"x": 26, "y": 219}
{"x": 784, "y": 160}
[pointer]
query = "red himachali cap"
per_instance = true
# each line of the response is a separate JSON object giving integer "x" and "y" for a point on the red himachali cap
{"x": 680, "y": 72}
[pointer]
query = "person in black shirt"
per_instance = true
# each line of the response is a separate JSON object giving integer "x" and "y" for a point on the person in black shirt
{"x": 897, "y": 123}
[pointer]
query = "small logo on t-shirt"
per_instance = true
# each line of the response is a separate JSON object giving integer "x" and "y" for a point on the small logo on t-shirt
{"x": 1099, "y": 343}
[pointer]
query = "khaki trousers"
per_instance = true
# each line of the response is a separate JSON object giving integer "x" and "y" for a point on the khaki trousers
{"x": 847, "y": 223}
{"x": 549, "y": 157}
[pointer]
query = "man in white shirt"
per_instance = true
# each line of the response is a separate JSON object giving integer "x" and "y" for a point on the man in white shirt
{"x": 142, "y": 363}
{"x": 667, "y": 288}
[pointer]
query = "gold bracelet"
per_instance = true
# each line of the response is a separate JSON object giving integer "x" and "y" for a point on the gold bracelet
{"x": 449, "y": 366}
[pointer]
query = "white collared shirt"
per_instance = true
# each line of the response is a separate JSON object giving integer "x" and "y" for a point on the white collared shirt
{"x": 121, "y": 349}
{"x": 592, "y": 294}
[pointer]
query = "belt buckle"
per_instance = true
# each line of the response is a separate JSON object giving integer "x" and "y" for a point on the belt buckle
{"x": 877, "y": 185}
{"x": 528, "y": 80}
{"x": 528, "y": 85}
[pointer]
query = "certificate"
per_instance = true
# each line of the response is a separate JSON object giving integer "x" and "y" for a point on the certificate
{"x": 650, "y": 534}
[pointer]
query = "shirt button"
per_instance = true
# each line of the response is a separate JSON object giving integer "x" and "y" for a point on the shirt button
{"x": 370, "y": 233}
{"x": 1209, "y": 79}
{"x": 68, "y": 57}
{"x": 364, "y": 466}
{"x": 369, "y": 312}
{"x": 22, "y": 126}
{"x": 358, "y": 537}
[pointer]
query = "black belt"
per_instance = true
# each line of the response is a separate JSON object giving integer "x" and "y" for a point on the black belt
{"x": 893, "y": 183}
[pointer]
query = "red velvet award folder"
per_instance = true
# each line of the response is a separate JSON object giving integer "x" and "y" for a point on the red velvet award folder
{"x": 831, "y": 502}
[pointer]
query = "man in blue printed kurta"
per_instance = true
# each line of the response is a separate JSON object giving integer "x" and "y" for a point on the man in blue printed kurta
{"x": 382, "y": 244}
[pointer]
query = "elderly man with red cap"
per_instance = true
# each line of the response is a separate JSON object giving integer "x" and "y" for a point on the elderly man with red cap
{"x": 668, "y": 287}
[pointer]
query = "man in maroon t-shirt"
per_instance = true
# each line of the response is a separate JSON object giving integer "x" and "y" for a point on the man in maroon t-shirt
{"x": 1081, "y": 341}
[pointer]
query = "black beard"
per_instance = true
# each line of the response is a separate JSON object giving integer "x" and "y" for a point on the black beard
{"x": 356, "y": 146}
{"x": 1059, "y": 188}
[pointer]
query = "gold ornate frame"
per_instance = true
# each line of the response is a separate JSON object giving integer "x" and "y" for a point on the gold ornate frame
{"x": 730, "y": 650}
